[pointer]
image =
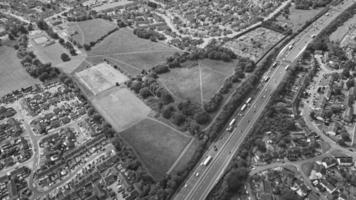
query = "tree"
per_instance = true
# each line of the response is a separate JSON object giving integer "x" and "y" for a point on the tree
{"x": 145, "y": 92}
{"x": 178, "y": 119}
{"x": 236, "y": 179}
{"x": 168, "y": 111}
{"x": 65, "y": 57}
{"x": 42, "y": 25}
{"x": 202, "y": 117}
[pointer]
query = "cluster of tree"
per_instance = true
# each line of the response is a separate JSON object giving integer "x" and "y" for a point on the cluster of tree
{"x": 307, "y": 4}
{"x": 186, "y": 43}
{"x": 149, "y": 34}
{"x": 68, "y": 46}
{"x": 160, "y": 69}
{"x": 149, "y": 87}
{"x": 213, "y": 104}
{"x": 65, "y": 57}
{"x": 49, "y": 30}
{"x": 32, "y": 64}
{"x": 87, "y": 47}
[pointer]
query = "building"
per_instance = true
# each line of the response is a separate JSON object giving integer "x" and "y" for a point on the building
{"x": 327, "y": 186}
{"x": 345, "y": 161}
{"x": 348, "y": 114}
{"x": 328, "y": 162}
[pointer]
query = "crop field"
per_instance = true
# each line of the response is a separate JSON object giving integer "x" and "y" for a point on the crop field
{"x": 120, "y": 107}
{"x": 100, "y": 77}
{"x": 12, "y": 74}
{"x": 255, "y": 43}
{"x": 198, "y": 83}
{"x": 297, "y": 17}
{"x": 90, "y": 30}
{"x": 157, "y": 144}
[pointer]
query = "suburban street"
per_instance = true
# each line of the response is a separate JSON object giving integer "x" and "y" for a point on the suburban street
{"x": 204, "y": 178}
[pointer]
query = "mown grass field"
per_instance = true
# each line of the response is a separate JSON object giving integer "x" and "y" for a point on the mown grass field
{"x": 120, "y": 107}
{"x": 157, "y": 144}
{"x": 13, "y": 75}
{"x": 90, "y": 30}
{"x": 197, "y": 83}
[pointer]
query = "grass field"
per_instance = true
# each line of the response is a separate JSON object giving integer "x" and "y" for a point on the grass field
{"x": 297, "y": 17}
{"x": 90, "y": 30}
{"x": 198, "y": 83}
{"x": 12, "y": 74}
{"x": 120, "y": 107}
{"x": 51, "y": 53}
{"x": 100, "y": 77}
{"x": 157, "y": 144}
{"x": 343, "y": 30}
{"x": 130, "y": 53}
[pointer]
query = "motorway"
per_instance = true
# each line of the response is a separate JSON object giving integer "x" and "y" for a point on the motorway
{"x": 204, "y": 178}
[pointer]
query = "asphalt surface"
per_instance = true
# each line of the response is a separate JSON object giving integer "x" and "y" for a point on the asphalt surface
{"x": 204, "y": 178}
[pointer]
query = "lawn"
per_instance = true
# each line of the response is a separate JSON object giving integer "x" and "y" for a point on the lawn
{"x": 297, "y": 17}
{"x": 100, "y": 77}
{"x": 197, "y": 83}
{"x": 342, "y": 31}
{"x": 120, "y": 107}
{"x": 51, "y": 53}
{"x": 307, "y": 168}
{"x": 157, "y": 144}
{"x": 124, "y": 41}
{"x": 12, "y": 74}
{"x": 90, "y": 30}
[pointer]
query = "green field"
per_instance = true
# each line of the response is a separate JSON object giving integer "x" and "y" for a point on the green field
{"x": 91, "y": 30}
{"x": 157, "y": 144}
{"x": 120, "y": 107}
{"x": 197, "y": 83}
{"x": 51, "y": 53}
{"x": 130, "y": 53}
{"x": 12, "y": 74}
{"x": 297, "y": 17}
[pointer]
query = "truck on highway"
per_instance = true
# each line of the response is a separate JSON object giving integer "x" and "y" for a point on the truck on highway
{"x": 207, "y": 161}
{"x": 287, "y": 67}
{"x": 231, "y": 125}
{"x": 274, "y": 64}
{"x": 248, "y": 100}
{"x": 243, "y": 107}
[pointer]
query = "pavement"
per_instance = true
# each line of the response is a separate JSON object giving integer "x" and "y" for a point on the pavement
{"x": 204, "y": 178}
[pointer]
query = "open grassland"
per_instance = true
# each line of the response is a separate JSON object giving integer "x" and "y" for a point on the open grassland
{"x": 12, "y": 75}
{"x": 157, "y": 144}
{"x": 49, "y": 53}
{"x": 198, "y": 82}
{"x": 120, "y": 107}
{"x": 346, "y": 29}
{"x": 297, "y": 17}
{"x": 130, "y": 53}
{"x": 100, "y": 77}
{"x": 90, "y": 30}
{"x": 124, "y": 41}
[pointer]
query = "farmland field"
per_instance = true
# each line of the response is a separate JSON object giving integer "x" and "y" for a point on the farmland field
{"x": 198, "y": 83}
{"x": 120, "y": 107}
{"x": 157, "y": 144}
{"x": 100, "y": 77}
{"x": 12, "y": 74}
{"x": 255, "y": 43}
{"x": 90, "y": 30}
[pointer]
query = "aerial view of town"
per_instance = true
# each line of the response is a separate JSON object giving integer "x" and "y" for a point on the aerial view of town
{"x": 177, "y": 99}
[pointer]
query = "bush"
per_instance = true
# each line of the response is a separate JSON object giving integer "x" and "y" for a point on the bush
{"x": 168, "y": 111}
{"x": 178, "y": 119}
{"x": 202, "y": 118}
{"x": 160, "y": 69}
{"x": 145, "y": 92}
{"x": 65, "y": 57}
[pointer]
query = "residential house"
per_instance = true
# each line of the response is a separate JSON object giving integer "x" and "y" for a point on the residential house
{"x": 345, "y": 161}
{"x": 328, "y": 162}
{"x": 348, "y": 114}
{"x": 328, "y": 186}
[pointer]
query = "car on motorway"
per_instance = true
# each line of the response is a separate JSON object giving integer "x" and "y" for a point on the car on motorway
{"x": 197, "y": 174}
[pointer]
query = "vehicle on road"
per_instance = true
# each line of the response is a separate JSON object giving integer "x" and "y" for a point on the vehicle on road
{"x": 274, "y": 64}
{"x": 231, "y": 125}
{"x": 266, "y": 78}
{"x": 197, "y": 174}
{"x": 287, "y": 67}
{"x": 243, "y": 107}
{"x": 313, "y": 36}
{"x": 207, "y": 161}
{"x": 248, "y": 100}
